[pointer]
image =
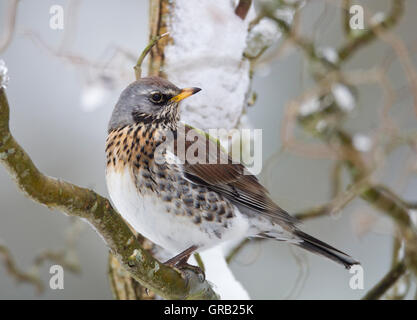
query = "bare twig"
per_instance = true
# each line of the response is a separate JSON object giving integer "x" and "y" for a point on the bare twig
{"x": 336, "y": 179}
{"x": 20, "y": 276}
{"x": 346, "y": 17}
{"x": 386, "y": 282}
{"x": 348, "y": 49}
{"x": 338, "y": 142}
{"x": 152, "y": 43}
{"x": 65, "y": 257}
{"x": 199, "y": 260}
{"x": 9, "y": 28}
{"x": 237, "y": 249}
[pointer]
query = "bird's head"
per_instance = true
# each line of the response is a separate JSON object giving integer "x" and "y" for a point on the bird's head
{"x": 150, "y": 99}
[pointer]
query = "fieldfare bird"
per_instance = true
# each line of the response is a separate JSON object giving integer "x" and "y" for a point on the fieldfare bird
{"x": 181, "y": 205}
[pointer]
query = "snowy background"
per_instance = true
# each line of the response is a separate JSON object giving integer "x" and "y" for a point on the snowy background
{"x": 59, "y": 114}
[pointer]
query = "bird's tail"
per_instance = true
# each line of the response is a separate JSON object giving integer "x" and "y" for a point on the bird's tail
{"x": 319, "y": 247}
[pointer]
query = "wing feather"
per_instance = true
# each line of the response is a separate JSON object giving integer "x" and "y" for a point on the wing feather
{"x": 230, "y": 179}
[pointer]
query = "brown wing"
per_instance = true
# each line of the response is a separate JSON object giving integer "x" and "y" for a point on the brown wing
{"x": 217, "y": 172}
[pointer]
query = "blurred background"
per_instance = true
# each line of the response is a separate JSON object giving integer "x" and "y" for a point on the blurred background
{"x": 61, "y": 103}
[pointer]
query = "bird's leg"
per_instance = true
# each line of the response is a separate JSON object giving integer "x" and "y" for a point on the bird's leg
{"x": 182, "y": 257}
{"x": 180, "y": 261}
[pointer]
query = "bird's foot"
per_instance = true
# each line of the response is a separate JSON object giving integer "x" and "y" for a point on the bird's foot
{"x": 180, "y": 262}
{"x": 197, "y": 270}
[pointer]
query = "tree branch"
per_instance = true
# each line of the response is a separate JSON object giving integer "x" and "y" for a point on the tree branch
{"x": 386, "y": 282}
{"x": 152, "y": 43}
{"x": 349, "y": 48}
{"x": 378, "y": 196}
{"x": 16, "y": 273}
{"x": 85, "y": 203}
{"x": 158, "y": 24}
{"x": 123, "y": 285}
{"x": 10, "y": 26}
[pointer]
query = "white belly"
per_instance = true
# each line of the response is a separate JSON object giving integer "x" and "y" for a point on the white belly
{"x": 148, "y": 216}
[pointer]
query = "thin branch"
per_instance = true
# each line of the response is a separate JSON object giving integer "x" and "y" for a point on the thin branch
{"x": 199, "y": 260}
{"x": 85, "y": 203}
{"x": 346, "y": 17}
{"x": 315, "y": 212}
{"x": 348, "y": 49}
{"x": 152, "y": 43}
{"x": 402, "y": 287}
{"x": 336, "y": 204}
{"x": 237, "y": 249}
{"x": 66, "y": 257}
{"x": 378, "y": 196}
{"x": 336, "y": 184}
{"x": 412, "y": 205}
{"x": 159, "y": 11}
{"x": 386, "y": 282}
{"x": 10, "y": 25}
{"x": 20, "y": 276}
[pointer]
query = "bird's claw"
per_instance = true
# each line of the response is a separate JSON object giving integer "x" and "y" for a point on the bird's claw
{"x": 185, "y": 266}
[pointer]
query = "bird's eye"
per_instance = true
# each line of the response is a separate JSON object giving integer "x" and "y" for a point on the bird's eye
{"x": 157, "y": 97}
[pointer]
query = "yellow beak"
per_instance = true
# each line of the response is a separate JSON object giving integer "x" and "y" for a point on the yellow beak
{"x": 185, "y": 93}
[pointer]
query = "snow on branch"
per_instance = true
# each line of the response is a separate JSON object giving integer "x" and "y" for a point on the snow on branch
{"x": 4, "y": 76}
{"x": 208, "y": 42}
